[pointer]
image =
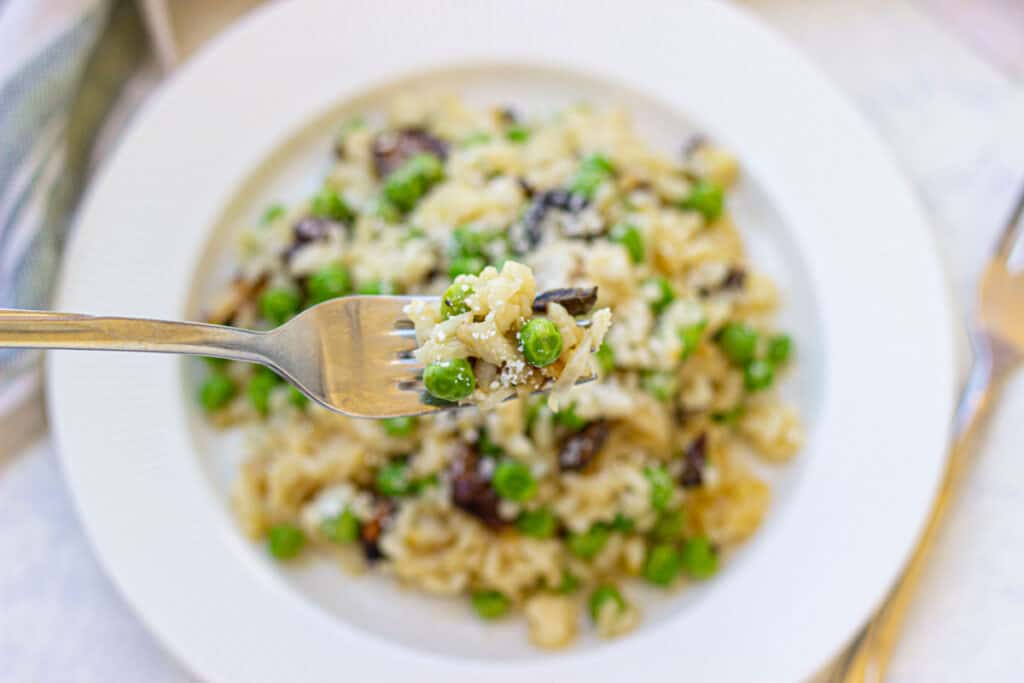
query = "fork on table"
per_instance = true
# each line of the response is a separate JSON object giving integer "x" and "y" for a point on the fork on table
{"x": 996, "y": 327}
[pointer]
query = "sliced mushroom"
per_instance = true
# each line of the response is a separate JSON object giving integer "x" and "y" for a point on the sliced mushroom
{"x": 692, "y": 144}
{"x": 529, "y": 231}
{"x": 695, "y": 459}
{"x": 735, "y": 278}
{"x": 310, "y": 229}
{"x": 524, "y": 185}
{"x": 371, "y": 530}
{"x": 507, "y": 115}
{"x": 576, "y": 301}
{"x": 581, "y": 448}
{"x": 391, "y": 149}
{"x": 471, "y": 487}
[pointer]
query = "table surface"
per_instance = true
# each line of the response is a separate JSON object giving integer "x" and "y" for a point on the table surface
{"x": 943, "y": 80}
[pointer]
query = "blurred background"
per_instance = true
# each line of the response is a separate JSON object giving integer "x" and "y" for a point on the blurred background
{"x": 941, "y": 80}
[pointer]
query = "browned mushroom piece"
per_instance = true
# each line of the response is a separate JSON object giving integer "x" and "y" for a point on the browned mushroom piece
{"x": 471, "y": 485}
{"x": 507, "y": 115}
{"x": 392, "y": 148}
{"x": 313, "y": 229}
{"x": 692, "y": 144}
{"x": 695, "y": 459}
{"x": 308, "y": 230}
{"x": 528, "y": 232}
{"x": 581, "y": 448}
{"x": 735, "y": 278}
{"x": 371, "y": 530}
{"x": 227, "y": 305}
{"x": 576, "y": 301}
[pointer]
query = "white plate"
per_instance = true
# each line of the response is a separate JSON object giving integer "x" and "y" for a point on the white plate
{"x": 823, "y": 206}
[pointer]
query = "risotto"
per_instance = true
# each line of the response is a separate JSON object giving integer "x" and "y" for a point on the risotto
{"x": 560, "y": 247}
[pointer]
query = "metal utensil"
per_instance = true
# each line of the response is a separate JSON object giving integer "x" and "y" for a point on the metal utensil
{"x": 353, "y": 355}
{"x": 996, "y": 326}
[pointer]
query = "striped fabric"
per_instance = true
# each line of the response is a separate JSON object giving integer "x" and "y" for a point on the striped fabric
{"x": 62, "y": 65}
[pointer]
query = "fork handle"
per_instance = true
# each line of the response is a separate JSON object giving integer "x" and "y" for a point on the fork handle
{"x": 49, "y": 330}
{"x": 865, "y": 660}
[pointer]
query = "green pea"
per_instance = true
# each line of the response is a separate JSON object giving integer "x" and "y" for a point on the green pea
{"x": 598, "y": 162}
{"x": 513, "y": 481}
{"x": 386, "y": 211}
{"x": 216, "y": 392}
{"x": 377, "y": 287}
{"x": 488, "y": 447}
{"x": 399, "y": 427}
{"x": 329, "y": 204}
{"x": 262, "y": 383}
{"x": 425, "y": 483}
{"x": 730, "y": 416}
{"x": 662, "y": 486}
{"x": 273, "y": 212}
{"x": 700, "y": 560}
{"x": 409, "y": 182}
{"x": 330, "y": 282}
{"x": 466, "y": 265}
{"x": 593, "y": 170}
{"x": 669, "y": 526}
{"x": 705, "y": 197}
{"x": 589, "y": 543}
{"x": 570, "y": 584}
{"x": 279, "y": 305}
{"x": 738, "y": 342}
{"x": 342, "y": 528}
{"x": 622, "y": 524}
{"x": 660, "y": 385}
{"x": 659, "y": 293}
{"x": 453, "y": 301}
{"x": 569, "y": 419}
{"x": 690, "y": 336}
{"x": 285, "y": 541}
{"x": 393, "y": 479}
{"x": 517, "y": 134}
{"x": 601, "y": 596}
{"x": 586, "y": 184}
{"x": 605, "y": 358}
{"x": 468, "y": 241}
{"x": 541, "y": 342}
{"x": 297, "y": 398}
{"x": 663, "y": 564}
{"x": 780, "y": 348}
{"x": 539, "y": 523}
{"x": 758, "y": 374}
{"x": 450, "y": 380}
{"x": 629, "y": 237}
{"x": 490, "y": 604}
{"x": 474, "y": 139}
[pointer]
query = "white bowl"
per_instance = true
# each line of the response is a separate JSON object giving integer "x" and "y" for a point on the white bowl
{"x": 249, "y": 121}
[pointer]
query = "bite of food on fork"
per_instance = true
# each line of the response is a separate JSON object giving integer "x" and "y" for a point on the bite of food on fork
{"x": 489, "y": 338}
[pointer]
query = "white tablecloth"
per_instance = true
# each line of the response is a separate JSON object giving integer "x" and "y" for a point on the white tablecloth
{"x": 947, "y": 91}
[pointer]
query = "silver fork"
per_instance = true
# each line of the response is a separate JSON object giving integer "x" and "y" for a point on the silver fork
{"x": 352, "y": 355}
{"x": 996, "y": 325}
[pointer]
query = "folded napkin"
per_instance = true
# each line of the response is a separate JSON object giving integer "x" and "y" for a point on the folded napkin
{"x": 63, "y": 64}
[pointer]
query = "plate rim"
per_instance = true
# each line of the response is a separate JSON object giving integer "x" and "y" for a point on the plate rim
{"x": 56, "y": 370}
